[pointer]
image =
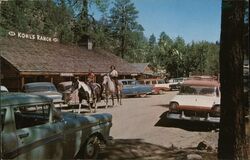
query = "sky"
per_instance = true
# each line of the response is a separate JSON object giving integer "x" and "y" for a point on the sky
{"x": 193, "y": 20}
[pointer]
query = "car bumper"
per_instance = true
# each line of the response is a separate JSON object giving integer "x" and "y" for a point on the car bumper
{"x": 179, "y": 116}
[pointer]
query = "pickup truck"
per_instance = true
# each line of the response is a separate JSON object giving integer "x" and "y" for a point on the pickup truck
{"x": 32, "y": 128}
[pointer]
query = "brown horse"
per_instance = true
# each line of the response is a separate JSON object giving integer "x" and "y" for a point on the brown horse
{"x": 110, "y": 90}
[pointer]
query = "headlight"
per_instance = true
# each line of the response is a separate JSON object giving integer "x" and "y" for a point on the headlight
{"x": 215, "y": 111}
{"x": 173, "y": 106}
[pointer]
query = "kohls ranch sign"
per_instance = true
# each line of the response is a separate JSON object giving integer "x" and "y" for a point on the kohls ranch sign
{"x": 32, "y": 36}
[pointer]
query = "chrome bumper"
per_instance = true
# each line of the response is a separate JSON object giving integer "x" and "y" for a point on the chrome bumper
{"x": 181, "y": 116}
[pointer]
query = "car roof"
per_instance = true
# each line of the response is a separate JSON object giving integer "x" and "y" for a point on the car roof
{"x": 210, "y": 83}
{"x": 38, "y": 83}
{"x": 127, "y": 80}
{"x": 151, "y": 79}
{"x": 67, "y": 83}
{"x": 18, "y": 98}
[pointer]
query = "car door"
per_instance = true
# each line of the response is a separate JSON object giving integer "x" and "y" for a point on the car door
{"x": 38, "y": 137}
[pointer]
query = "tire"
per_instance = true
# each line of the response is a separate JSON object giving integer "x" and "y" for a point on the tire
{"x": 160, "y": 91}
{"x": 91, "y": 148}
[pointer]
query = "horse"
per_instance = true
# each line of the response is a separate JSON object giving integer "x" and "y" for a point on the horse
{"x": 91, "y": 93}
{"x": 110, "y": 89}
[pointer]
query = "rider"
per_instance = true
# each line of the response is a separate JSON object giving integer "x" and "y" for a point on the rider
{"x": 91, "y": 80}
{"x": 91, "y": 77}
{"x": 114, "y": 75}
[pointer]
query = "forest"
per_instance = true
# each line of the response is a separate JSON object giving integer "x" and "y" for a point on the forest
{"x": 117, "y": 31}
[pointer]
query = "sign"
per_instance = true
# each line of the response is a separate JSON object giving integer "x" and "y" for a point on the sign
{"x": 66, "y": 74}
{"x": 33, "y": 36}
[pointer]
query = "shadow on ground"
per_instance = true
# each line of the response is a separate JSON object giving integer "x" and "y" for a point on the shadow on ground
{"x": 186, "y": 125}
{"x": 138, "y": 149}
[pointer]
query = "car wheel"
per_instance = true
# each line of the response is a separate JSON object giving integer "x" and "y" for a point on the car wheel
{"x": 92, "y": 148}
{"x": 160, "y": 91}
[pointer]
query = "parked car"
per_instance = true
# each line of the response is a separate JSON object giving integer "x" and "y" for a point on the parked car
{"x": 175, "y": 83}
{"x": 159, "y": 85}
{"x": 32, "y": 128}
{"x": 198, "y": 100}
{"x": 4, "y": 89}
{"x": 70, "y": 98}
{"x": 44, "y": 88}
{"x": 132, "y": 87}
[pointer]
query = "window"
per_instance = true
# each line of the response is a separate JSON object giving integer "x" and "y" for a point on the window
{"x": 29, "y": 116}
{"x": 148, "y": 82}
{"x": 153, "y": 82}
{"x": 2, "y": 120}
{"x": 124, "y": 82}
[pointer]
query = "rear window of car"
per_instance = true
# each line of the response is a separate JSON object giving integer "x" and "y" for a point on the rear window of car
{"x": 197, "y": 90}
{"x": 40, "y": 88}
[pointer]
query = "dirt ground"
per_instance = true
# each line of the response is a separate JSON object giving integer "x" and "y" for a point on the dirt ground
{"x": 141, "y": 131}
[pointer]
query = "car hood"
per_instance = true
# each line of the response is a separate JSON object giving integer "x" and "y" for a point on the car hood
{"x": 196, "y": 100}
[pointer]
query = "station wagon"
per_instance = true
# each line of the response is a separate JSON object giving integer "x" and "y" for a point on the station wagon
{"x": 32, "y": 128}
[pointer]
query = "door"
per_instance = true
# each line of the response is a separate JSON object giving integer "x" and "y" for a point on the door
{"x": 38, "y": 138}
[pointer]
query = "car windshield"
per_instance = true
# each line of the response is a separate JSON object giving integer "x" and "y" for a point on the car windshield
{"x": 197, "y": 90}
{"x": 42, "y": 88}
{"x": 161, "y": 81}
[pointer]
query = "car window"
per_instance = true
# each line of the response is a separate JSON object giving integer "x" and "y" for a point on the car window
{"x": 40, "y": 88}
{"x": 132, "y": 82}
{"x": 161, "y": 82}
{"x": 186, "y": 90}
{"x": 196, "y": 90}
{"x": 29, "y": 116}
{"x": 2, "y": 120}
{"x": 153, "y": 82}
{"x": 124, "y": 82}
{"x": 207, "y": 91}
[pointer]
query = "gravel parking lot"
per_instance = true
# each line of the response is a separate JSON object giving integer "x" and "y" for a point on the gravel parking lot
{"x": 144, "y": 119}
{"x": 140, "y": 129}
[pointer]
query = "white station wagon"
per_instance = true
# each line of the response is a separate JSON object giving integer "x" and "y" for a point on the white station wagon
{"x": 198, "y": 100}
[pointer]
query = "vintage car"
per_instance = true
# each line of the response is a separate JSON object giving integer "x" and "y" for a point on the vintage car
{"x": 32, "y": 128}
{"x": 44, "y": 88}
{"x": 159, "y": 85}
{"x": 69, "y": 97}
{"x": 175, "y": 83}
{"x": 198, "y": 100}
{"x": 132, "y": 87}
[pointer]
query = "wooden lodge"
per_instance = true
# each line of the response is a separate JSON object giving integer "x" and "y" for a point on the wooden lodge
{"x": 25, "y": 60}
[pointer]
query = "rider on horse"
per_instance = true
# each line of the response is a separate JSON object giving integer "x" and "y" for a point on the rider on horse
{"x": 114, "y": 76}
{"x": 91, "y": 80}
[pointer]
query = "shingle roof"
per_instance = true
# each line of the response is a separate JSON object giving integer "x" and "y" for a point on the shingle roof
{"x": 142, "y": 68}
{"x": 36, "y": 56}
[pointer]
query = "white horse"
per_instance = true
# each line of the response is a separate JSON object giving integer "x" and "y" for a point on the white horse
{"x": 86, "y": 93}
{"x": 110, "y": 90}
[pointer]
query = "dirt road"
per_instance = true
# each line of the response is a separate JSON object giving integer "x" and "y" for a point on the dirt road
{"x": 144, "y": 119}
